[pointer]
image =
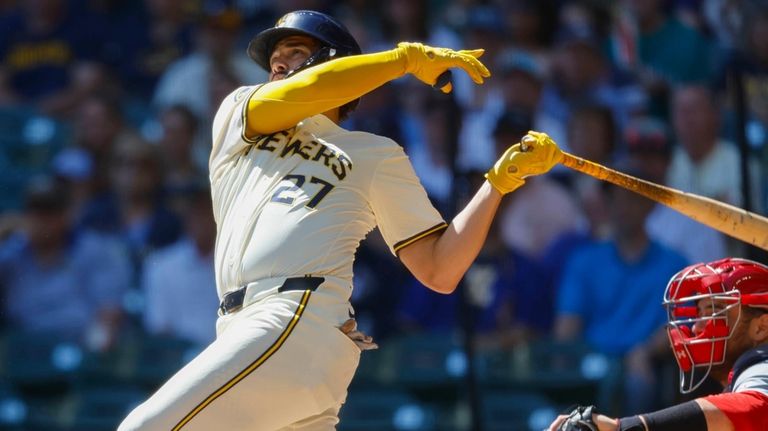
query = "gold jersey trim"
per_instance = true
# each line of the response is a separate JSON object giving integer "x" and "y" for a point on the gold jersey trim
{"x": 410, "y": 240}
{"x": 252, "y": 367}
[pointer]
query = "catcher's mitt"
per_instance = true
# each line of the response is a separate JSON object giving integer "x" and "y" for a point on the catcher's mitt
{"x": 579, "y": 419}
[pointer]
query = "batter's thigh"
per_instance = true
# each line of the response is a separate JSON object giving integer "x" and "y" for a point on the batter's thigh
{"x": 275, "y": 364}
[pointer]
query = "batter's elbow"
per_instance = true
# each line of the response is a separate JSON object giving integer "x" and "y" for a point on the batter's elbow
{"x": 441, "y": 285}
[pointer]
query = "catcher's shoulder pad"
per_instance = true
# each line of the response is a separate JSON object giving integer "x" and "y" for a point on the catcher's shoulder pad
{"x": 579, "y": 419}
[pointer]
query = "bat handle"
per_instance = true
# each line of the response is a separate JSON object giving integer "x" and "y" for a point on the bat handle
{"x": 585, "y": 166}
{"x": 572, "y": 161}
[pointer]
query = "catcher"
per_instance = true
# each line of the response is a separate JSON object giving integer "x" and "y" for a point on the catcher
{"x": 718, "y": 327}
{"x": 293, "y": 196}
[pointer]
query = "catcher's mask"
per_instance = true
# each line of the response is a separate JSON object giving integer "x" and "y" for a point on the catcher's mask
{"x": 335, "y": 41}
{"x": 697, "y": 300}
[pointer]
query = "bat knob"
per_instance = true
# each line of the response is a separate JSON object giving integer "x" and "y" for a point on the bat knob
{"x": 527, "y": 142}
{"x": 444, "y": 79}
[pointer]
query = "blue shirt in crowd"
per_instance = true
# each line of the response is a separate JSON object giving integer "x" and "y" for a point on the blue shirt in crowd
{"x": 620, "y": 303}
{"x": 63, "y": 297}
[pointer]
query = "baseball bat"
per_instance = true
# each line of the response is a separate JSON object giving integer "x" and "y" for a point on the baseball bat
{"x": 728, "y": 219}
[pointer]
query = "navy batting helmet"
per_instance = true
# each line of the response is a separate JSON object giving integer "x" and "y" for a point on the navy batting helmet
{"x": 332, "y": 35}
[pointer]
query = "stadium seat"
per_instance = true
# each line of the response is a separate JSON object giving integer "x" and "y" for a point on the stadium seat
{"x": 424, "y": 361}
{"x": 370, "y": 371}
{"x": 104, "y": 408}
{"x": 29, "y": 140}
{"x": 39, "y": 364}
{"x": 385, "y": 410}
{"x": 523, "y": 411}
{"x": 143, "y": 360}
{"x": 159, "y": 357}
{"x": 114, "y": 366}
{"x": 28, "y": 143}
{"x": 14, "y": 410}
{"x": 566, "y": 372}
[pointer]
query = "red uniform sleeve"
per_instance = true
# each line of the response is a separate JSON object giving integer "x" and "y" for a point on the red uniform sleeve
{"x": 748, "y": 410}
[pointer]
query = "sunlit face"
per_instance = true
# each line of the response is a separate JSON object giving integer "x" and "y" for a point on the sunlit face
{"x": 709, "y": 308}
{"x": 290, "y": 53}
{"x": 738, "y": 341}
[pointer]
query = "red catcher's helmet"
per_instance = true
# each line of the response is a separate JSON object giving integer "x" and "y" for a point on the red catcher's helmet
{"x": 725, "y": 284}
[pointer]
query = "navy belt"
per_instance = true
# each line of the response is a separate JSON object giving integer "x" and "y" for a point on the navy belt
{"x": 233, "y": 301}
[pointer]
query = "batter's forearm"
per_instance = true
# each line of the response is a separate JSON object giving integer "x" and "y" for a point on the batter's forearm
{"x": 279, "y": 105}
{"x": 460, "y": 243}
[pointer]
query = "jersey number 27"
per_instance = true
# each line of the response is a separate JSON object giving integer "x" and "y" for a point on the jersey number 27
{"x": 286, "y": 194}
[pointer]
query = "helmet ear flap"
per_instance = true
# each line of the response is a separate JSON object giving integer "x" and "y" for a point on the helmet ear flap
{"x": 677, "y": 337}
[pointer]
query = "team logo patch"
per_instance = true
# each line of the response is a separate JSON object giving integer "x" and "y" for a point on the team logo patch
{"x": 241, "y": 93}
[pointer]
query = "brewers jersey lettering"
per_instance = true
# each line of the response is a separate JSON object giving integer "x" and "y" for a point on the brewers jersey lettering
{"x": 291, "y": 204}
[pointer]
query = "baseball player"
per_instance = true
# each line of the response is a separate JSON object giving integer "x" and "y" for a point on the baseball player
{"x": 293, "y": 196}
{"x": 718, "y": 327}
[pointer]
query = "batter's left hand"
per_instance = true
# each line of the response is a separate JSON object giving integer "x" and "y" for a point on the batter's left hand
{"x": 364, "y": 342}
{"x": 536, "y": 154}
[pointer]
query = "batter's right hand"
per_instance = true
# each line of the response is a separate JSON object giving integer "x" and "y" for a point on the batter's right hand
{"x": 364, "y": 342}
{"x": 427, "y": 63}
{"x": 538, "y": 156}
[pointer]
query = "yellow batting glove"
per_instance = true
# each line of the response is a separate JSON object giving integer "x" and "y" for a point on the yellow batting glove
{"x": 427, "y": 63}
{"x": 536, "y": 154}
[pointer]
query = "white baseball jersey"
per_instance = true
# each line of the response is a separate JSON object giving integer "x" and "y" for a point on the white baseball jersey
{"x": 298, "y": 202}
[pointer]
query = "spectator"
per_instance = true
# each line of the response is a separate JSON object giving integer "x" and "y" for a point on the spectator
{"x": 430, "y": 146}
{"x": 59, "y": 281}
{"x": 404, "y": 20}
{"x": 522, "y": 83}
{"x": 603, "y": 281}
{"x": 99, "y": 127}
{"x": 176, "y": 146}
{"x": 146, "y": 43}
{"x": 530, "y": 25}
{"x": 592, "y": 134}
{"x": 703, "y": 163}
{"x": 42, "y": 40}
{"x": 580, "y": 76}
{"x": 73, "y": 169}
{"x": 527, "y": 300}
{"x": 215, "y": 47}
{"x": 379, "y": 113}
{"x": 481, "y": 105}
{"x": 134, "y": 209}
{"x": 181, "y": 276}
{"x": 750, "y": 59}
{"x": 663, "y": 52}
{"x": 647, "y": 142}
{"x": 756, "y": 78}
{"x": 221, "y": 82}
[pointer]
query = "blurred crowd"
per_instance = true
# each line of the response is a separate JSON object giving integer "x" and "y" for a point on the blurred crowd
{"x": 112, "y": 230}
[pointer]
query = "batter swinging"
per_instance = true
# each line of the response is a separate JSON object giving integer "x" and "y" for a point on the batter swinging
{"x": 294, "y": 194}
